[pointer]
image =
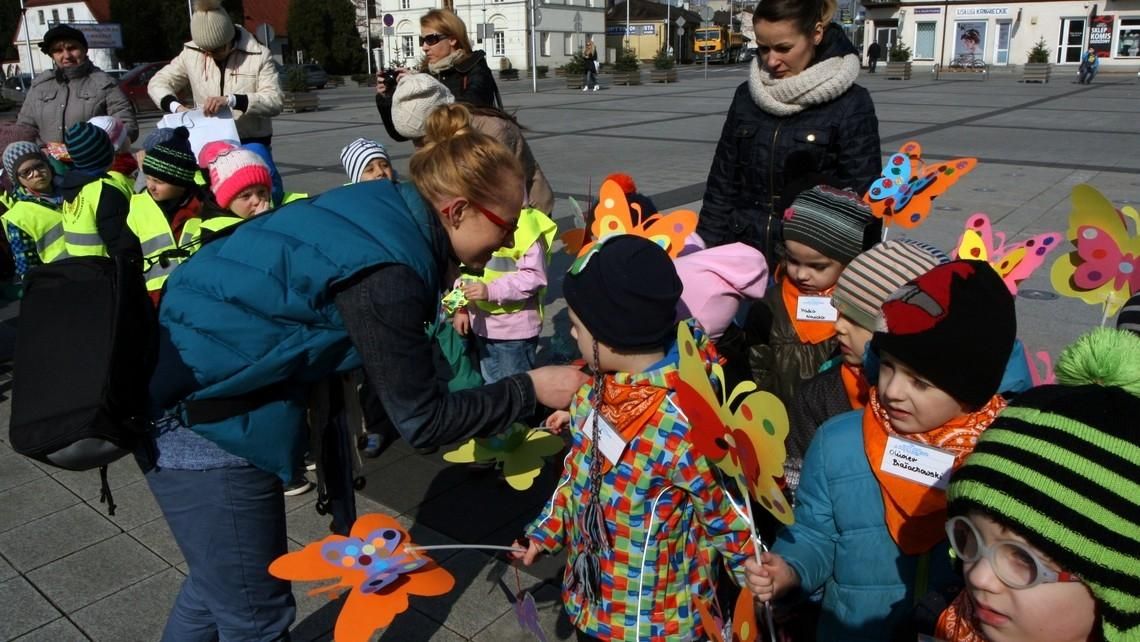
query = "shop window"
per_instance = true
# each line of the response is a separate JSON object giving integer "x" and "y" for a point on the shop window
{"x": 924, "y": 41}
{"x": 70, "y": 14}
{"x": 568, "y": 44}
{"x": 408, "y": 43}
{"x": 500, "y": 43}
{"x": 1128, "y": 38}
{"x": 546, "y": 43}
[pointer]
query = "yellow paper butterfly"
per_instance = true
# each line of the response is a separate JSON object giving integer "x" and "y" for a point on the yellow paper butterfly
{"x": 520, "y": 449}
{"x": 1104, "y": 269}
{"x": 746, "y": 443}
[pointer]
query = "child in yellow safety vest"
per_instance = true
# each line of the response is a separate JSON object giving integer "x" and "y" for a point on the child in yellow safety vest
{"x": 95, "y": 206}
{"x": 33, "y": 223}
{"x": 240, "y": 186}
{"x": 166, "y": 217}
{"x": 504, "y": 310}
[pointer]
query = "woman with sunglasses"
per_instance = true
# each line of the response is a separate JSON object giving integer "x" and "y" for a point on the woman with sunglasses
{"x": 1045, "y": 514}
{"x": 449, "y": 58}
{"x": 261, "y": 314}
{"x": 33, "y": 224}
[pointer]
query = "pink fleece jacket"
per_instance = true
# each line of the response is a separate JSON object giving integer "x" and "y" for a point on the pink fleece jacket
{"x": 523, "y": 285}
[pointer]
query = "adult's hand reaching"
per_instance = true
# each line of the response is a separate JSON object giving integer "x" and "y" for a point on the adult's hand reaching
{"x": 554, "y": 386}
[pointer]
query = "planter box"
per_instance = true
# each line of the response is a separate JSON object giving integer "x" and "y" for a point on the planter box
{"x": 575, "y": 81}
{"x": 541, "y": 74}
{"x": 1036, "y": 72}
{"x": 509, "y": 74}
{"x": 663, "y": 75}
{"x": 559, "y": 71}
{"x": 627, "y": 77}
{"x": 898, "y": 70}
{"x": 303, "y": 101}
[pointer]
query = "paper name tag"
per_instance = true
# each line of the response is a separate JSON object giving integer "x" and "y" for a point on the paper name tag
{"x": 610, "y": 442}
{"x": 917, "y": 462}
{"x": 815, "y": 308}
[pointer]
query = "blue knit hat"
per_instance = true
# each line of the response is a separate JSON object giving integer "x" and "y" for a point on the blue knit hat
{"x": 89, "y": 148}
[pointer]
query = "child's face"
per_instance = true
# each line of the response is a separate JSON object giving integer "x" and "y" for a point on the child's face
{"x": 1053, "y": 612}
{"x": 376, "y": 169}
{"x": 913, "y": 404}
{"x": 162, "y": 191}
{"x": 810, "y": 271}
{"x": 35, "y": 174}
{"x": 853, "y": 339}
{"x": 586, "y": 346}
{"x": 251, "y": 201}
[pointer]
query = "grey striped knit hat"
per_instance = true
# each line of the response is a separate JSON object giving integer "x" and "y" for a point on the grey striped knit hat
{"x": 356, "y": 155}
{"x": 1129, "y": 318}
{"x": 874, "y": 275}
{"x": 1059, "y": 467}
{"x": 831, "y": 221}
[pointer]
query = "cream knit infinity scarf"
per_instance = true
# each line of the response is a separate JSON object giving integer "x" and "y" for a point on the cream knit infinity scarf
{"x": 820, "y": 83}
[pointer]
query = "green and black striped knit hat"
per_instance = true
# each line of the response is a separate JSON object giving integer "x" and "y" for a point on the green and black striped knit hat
{"x": 1061, "y": 467}
{"x": 172, "y": 161}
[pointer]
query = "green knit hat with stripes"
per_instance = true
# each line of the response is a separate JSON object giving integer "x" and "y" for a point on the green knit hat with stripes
{"x": 1061, "y": 467}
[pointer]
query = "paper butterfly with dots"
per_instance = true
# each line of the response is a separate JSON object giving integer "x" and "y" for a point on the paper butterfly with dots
{"x": 742, "y": 433}
{"x": 1014, "y": 263}
{"x": 376, "y": 564}
{"x": 905, "y": 192}
{"x": 1040, "y": 368}
{"x": 741, "y": 627}
{"x": 615, "y": 215}
{"x": 1104, "y": 269}
{"x": 520, "y": 449}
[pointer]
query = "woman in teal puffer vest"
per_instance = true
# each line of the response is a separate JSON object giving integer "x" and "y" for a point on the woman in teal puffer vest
{"x": 325, "y": 285}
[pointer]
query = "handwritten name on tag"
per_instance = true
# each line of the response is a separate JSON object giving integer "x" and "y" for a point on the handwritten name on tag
{"x": 917, "y": 462}
{"x": 815, "y": 308}
{"x": 610, "y": 442}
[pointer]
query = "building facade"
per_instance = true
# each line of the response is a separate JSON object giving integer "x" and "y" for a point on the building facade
{"x": 42, "y": 15}
{"x": 561, "y": 30}
{"x": 997, "y": 33}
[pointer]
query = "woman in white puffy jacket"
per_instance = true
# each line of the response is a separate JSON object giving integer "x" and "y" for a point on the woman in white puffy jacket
{"x": 223, "y": 65}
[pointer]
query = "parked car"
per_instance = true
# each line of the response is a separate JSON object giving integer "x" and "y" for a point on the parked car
{"x": 18, "y": 83}
{"x": 315, "y": 75}
{"x": 133, "y": 84}
{"x": 117, "y": 74}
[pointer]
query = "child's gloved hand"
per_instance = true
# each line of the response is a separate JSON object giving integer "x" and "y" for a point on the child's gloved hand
{"x": 770, "y": 578}
{"x": 558, "y": 421}
{"x": 475, "y": 290}
{"x": 531, "y": 554}
{"x": 461, "y": 322}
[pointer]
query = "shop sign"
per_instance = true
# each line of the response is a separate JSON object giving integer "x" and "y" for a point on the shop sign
{"x": 925, "y": 11}
{"x": 1100, "y": 35}
{"x": 982, "y": 12}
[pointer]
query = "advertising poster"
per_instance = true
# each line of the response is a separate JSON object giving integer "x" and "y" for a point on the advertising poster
{"x": 1100, "y": 35}
{"x": 970, "y": 40}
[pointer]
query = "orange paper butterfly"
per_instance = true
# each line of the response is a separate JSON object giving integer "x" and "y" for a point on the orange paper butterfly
{"x": 905, "y": 193}
{"x": 375, "y": 565}
{"x": 614, "y": 215}
{"x": 746, "y": 443}
{"x": 743, "y": 625}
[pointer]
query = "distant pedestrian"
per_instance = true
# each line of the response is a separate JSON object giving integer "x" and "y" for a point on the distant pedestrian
{"x": 1090, "y": 63}
{"x": 874, "y": 52}
{"x": 590, "y": 53}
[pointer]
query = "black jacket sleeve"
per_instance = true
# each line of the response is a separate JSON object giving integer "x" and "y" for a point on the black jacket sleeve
{"x": 111, "y": 223}
{"x": 384, "y": 106}
{"x": 860, "y": 156}
{"x": 384, "y": 315}
{"x": 480, "y": 88}
{"x": 715, "y": 222}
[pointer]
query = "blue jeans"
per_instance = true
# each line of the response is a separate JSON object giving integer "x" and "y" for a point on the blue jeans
{"x": 501, "y": 358}
{"x": 229, "y": 524}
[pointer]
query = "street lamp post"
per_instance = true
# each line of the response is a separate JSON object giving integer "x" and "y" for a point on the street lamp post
{"x": 28, "y": 39}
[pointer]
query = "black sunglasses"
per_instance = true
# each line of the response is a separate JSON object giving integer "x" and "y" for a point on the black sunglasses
{"x": 432, "y": 39}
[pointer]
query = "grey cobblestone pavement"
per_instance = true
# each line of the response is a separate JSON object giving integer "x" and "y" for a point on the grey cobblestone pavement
{"x": 68, "y": 571}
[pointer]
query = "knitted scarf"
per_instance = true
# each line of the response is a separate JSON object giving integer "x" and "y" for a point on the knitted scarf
{"x": 447, "y": 62}
{"x": 916, "y": 514}
{"x": 820, "y": 83}
{"x": 957, "y": 624}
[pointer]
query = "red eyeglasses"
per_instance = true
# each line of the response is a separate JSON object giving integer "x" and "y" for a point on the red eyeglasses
{"x": 507, "y": 226}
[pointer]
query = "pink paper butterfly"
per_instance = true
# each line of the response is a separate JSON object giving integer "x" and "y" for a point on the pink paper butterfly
{"x": 1014, "y": 263}
{"x": 1040, "y": 368}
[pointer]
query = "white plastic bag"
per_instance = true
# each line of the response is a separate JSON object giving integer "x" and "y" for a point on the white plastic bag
{"x": 203, "y": 129}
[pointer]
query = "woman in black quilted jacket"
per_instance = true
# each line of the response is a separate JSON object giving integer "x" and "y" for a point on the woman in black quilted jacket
{"x": 799, "y": 115}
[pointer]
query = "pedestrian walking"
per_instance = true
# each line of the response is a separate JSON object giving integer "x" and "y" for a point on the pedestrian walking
{"x": 874, "y": 52}
{"x": 590, "y": 55}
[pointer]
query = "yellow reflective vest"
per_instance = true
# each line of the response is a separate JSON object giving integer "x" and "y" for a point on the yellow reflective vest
{"x": 80, "y": 232}
{"x": 533, "y": 225}
{"x": 43, "y": 224}
{"x": 149, "y": 224}
{"x": 289, "y": 197}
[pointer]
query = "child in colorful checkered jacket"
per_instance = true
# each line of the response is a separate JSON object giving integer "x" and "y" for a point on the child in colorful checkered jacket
{"x": 643, "y": 518}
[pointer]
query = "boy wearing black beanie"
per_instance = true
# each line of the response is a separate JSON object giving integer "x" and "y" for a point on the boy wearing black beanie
{"x": 641, "y": 514}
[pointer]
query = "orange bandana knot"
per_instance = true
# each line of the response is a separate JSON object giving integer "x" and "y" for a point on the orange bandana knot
{"x": 916, "y": 514}
{"x": 957, "y": 624}
{"x": 855, "y": 384}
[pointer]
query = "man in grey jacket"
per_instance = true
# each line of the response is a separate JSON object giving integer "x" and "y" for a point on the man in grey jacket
{"x": 75, "y": 91}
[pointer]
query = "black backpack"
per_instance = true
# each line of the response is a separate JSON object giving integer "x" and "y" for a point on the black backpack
{"x": 85, "y": 351}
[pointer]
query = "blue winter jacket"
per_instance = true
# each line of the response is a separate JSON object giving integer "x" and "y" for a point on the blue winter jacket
{"x": 257, "y": 307}
{"x": 840, "y": 541}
